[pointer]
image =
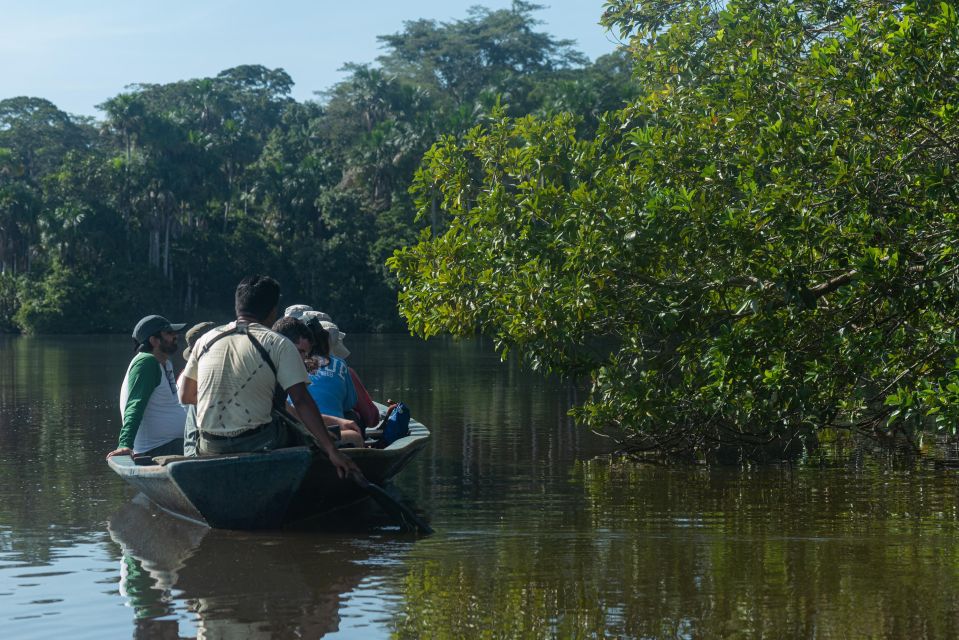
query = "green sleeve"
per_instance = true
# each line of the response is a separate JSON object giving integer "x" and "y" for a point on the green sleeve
{"x": 142, "y": 380}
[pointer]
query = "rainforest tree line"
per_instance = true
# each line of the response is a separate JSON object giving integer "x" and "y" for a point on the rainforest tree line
{"x": 760, "y": 250}
{"x": 740, "y": 230}
{"x": 179, "y": 189}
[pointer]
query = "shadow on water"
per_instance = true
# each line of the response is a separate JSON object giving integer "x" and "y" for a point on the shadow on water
{"x": 231, "y": 584}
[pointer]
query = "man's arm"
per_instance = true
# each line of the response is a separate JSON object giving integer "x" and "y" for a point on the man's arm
{"x": 330, "y": 421}
{"x": 342, "y": 423}
{"x": 186, "y": 390}
{"x": 310, "y": 417}
{"x": 143, "y": 379}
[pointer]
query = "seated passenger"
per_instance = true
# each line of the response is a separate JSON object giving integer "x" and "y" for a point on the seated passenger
{"x": 364, "y": 409}
{"x": 190, "y": 433}
{"x": 327, "y": 387}
{"x": 152, "y": 416}
{"x": 233, "y": 376}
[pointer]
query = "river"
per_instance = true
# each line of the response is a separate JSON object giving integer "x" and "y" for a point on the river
{"x": 539, "y": 533}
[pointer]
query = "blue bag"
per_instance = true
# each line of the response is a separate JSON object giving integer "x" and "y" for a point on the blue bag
{"x": 397, "y": 424}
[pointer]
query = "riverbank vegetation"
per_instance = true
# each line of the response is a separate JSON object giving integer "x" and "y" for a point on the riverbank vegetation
{"x": 761, "y": 246}
{"x": 181, "y": 188}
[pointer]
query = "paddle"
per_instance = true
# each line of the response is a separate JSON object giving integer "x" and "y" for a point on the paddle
{"x": 408, "y": 520}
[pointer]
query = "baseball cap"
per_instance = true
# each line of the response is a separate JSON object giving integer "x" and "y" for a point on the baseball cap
{"x": 151, "y": 325}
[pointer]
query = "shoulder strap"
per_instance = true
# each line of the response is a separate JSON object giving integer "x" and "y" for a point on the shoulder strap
{"x": 229, "y": 332}
{"x": 243, "y": 328}
{"x": 279, "y": 393}
{"x": 259, "y": 347}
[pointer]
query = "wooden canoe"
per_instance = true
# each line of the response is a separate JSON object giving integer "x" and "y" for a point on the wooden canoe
{"x": 262, "y": 490}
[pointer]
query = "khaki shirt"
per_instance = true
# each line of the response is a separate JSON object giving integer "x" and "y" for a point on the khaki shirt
{"x": 235, "y": 384}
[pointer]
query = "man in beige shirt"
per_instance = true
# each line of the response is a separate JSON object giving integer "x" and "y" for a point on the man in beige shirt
{"x": 234, "y": 373}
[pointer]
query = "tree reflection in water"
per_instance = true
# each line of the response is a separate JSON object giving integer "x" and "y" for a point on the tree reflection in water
{"x": 231, "y": 584}
{"x": 537, "y": 537}
{"x": 680, "y": 552}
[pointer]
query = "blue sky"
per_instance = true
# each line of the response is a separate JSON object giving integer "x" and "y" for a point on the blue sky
{"x": 78, "y": 54}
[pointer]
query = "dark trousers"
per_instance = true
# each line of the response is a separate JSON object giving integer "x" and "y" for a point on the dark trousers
{"x": 171, "y": 448}
{"x": 276, "y": 435}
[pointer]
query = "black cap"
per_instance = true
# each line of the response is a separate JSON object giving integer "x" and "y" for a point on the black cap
{"x": 152, "y": 325}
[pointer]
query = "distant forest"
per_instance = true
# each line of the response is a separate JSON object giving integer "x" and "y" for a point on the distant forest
{"x": 181, "y": 188}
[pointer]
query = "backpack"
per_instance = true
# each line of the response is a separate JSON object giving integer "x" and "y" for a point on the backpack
{"x": 396, "y": 425}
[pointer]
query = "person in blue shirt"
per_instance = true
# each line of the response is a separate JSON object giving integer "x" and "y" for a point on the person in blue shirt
{"x": 331, "y": 385}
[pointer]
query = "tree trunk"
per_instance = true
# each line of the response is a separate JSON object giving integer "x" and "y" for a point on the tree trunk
{"x": 189, "y": 293}
{"x": 154, "y": 255}
{"x": 166, "y": 250}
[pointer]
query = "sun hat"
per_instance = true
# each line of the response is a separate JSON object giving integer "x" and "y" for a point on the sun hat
{"x": 306, "y": 313}
{"x": 193, "y": 334}
{"x": 315, "y": 316}
{"x": 297, "y": 310}
{"x": 337, "y": 348}
{"x": 152, "y": 325}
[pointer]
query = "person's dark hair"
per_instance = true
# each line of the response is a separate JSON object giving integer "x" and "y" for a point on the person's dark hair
{"x": 321, "y": 342}
{"x": 256, "y": 296}
{"x": 293, "y": 329}
{"x": 146, "y": 347}
{"x": 313, "y": 324}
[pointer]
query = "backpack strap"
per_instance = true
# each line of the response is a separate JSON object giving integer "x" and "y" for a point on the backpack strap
{"x": 243, "y": 328}
{"x": 279, "y": 394}
{"x": 229, "y": 332}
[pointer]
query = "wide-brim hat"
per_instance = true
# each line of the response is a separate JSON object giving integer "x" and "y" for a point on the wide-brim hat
{"x": 337, "y": 348}
{"x": 297, "y": 310}
{"x": 152, "y": 325}
{"x": 194, "y": 334}
{"x": 315, "y": 316}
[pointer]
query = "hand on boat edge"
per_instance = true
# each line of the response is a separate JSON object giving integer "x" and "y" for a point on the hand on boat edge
{"x": 122, "y": 451}
{"x": 344, "y": 466}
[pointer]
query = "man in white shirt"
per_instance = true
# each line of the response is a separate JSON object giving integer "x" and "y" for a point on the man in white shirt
{"x": 236, "y": 373}
{"x": 152, "y": 417}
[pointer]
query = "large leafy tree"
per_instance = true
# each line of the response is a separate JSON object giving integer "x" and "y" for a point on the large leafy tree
{"x": 381, "y": 127}
{"x": 433, "y": 78}
{"x": 35, "y": 138}
{"x": 489, "y": 53}
{"x": 185, "y": 186}
{"x": 184, "y": 150}
{"x": 763, "y": 244}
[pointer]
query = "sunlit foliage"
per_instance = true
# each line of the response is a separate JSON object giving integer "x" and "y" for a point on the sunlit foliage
{"x": 761, "y": 245}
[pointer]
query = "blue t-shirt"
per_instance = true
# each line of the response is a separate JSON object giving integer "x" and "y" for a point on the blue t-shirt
{"x": 332, "y": 388}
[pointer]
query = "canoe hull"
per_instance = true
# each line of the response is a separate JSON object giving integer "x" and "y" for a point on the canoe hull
{"x": 263, "y": 490}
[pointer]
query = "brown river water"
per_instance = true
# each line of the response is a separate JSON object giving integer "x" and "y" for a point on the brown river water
{"x": 539, "y": 533}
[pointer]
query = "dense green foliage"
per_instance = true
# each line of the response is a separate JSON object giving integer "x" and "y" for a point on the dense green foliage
{"x": 184, "y": 187}
{"x": 761, "y": 245}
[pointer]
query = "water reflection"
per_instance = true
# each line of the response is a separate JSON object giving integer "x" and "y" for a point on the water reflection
{"x": 537, "y": 537}
{"x": 654, "y": 552}
{"x": 230, "y": 584}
